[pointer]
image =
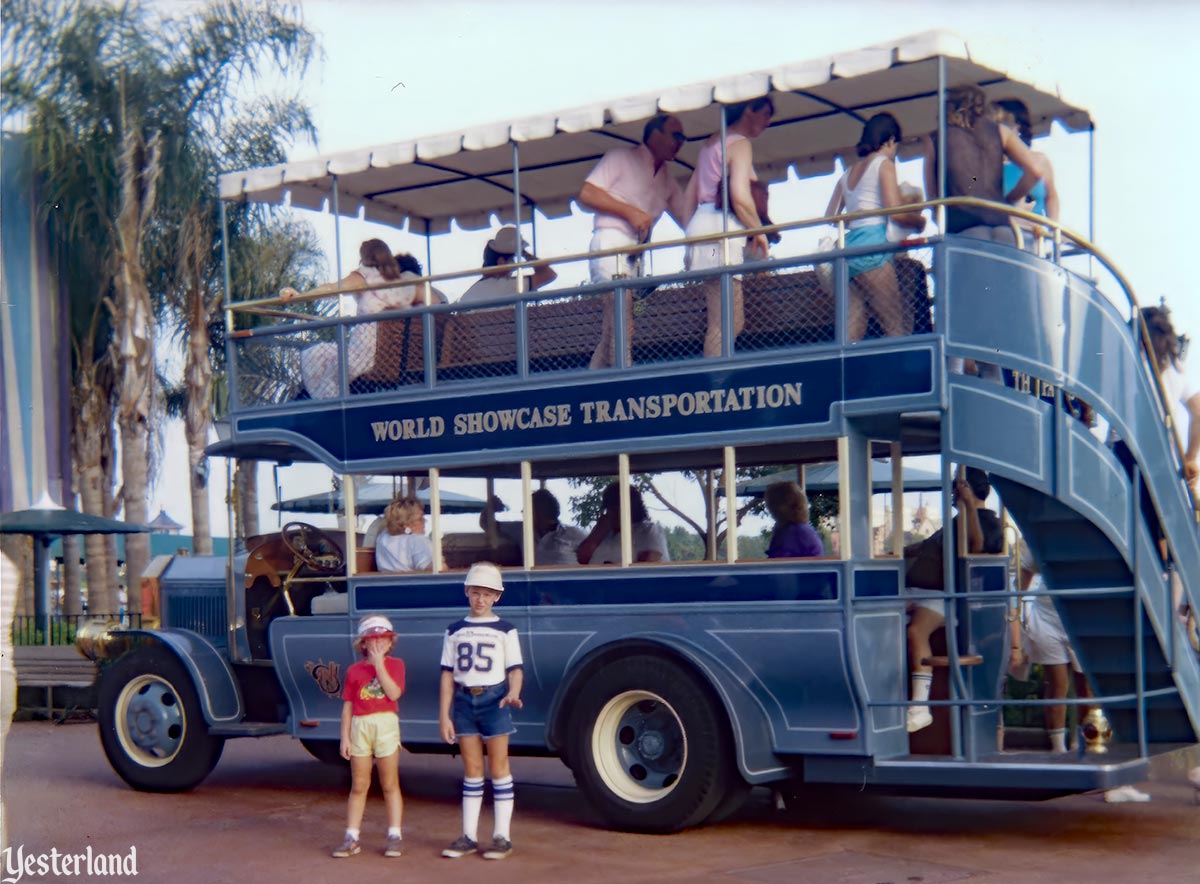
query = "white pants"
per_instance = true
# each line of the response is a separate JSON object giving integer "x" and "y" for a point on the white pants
{"x": 605, "y": 268}
{"x": 709, "y": 220}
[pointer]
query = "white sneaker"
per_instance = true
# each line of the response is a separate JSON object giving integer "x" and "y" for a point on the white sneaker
{"x": 1125, "y": 794}
{"x": 919, "y": 717}
{"x": 1194, "y": 777}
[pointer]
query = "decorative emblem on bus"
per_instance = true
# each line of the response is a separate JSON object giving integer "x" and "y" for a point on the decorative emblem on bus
{"x": 328, "y": 677}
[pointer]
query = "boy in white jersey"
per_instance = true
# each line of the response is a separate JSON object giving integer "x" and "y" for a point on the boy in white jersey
{"x": 481, "y": 684}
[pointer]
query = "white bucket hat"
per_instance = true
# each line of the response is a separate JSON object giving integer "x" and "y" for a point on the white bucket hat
{"x": 375, "y": 624}
{"x": 485, "y": 574}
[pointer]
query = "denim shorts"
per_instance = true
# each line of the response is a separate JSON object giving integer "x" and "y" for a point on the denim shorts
{"x": 480, "y": 715}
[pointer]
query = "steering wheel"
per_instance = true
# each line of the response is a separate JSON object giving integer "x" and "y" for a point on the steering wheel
{"x": 313, "y": 547}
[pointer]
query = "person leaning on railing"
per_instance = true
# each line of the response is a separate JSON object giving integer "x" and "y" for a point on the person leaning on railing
{"x": 318, "y": 363}
{"x": 498, "y": 281}
{"x": 1043, "y": 198}
{"x": 976, "y": 147}
{"x": 628, "y": 192}
{"x": 868, "y": 185}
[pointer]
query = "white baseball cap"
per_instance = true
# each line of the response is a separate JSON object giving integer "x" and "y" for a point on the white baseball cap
{"x": 374, "y": 625}
{"x": 485, "y": 574}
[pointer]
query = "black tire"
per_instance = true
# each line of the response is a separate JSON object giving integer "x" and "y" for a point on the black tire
{"x": 326, "y": 751}
{"x": 650, "y": 746}
{"x": 151, "y": 726}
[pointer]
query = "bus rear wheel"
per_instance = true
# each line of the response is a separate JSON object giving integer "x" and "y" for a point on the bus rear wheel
{"x": 650, "y": 747}
{"x": 151, "y": 726}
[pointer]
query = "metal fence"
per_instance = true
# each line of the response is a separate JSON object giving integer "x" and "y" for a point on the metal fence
{"x": 30, "y": 629}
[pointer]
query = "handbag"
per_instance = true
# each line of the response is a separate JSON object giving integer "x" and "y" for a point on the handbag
{"x": 824, "y": 269}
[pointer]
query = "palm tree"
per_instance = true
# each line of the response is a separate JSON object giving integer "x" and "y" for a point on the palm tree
{"x": 118, "y": 95}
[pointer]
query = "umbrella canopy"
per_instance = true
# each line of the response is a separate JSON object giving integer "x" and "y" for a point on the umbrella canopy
{"x": 821, "y": 104}
{"x": 824, "y": 477}
{"x": 373, "y": 500}
{"x": 63, "y": 521}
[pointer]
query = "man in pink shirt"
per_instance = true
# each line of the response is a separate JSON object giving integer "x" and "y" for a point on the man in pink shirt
{"x": 628, "y": 191}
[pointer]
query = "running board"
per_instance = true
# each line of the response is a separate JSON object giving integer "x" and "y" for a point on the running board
{"x": 249, "y": 729}
{"x": 1021, "y": 775}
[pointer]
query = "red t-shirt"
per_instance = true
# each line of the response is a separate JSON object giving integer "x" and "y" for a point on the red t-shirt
{"x": 364, "y": 691}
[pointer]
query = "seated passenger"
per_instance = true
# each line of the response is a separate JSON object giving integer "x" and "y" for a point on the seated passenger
{"x": 503, "y": 249}
{"x": 554, "y": 543}
{"x": 868, "y": 185}
{"x": 603, "y": 545}
{"x": 402, "y": 544}
{"x": 409, "y": 264}
{"x": 794, "y": 536}
{"x": 319, "y": 362}
{"x": 924, "y": 576}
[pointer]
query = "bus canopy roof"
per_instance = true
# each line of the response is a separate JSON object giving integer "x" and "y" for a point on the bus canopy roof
{"x": 820, "y": 104}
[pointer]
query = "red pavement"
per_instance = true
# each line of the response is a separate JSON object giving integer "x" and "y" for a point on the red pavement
{"x": 269, "y": 812}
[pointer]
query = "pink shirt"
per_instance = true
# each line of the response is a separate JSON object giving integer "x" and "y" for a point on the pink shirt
{"x": 710, "y": 170}
{"x": 627, "y": 174}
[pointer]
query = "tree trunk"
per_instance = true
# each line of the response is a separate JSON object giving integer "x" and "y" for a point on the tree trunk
{"x": 72, "y": 604}
{"x": 246, "y": 489}
{"x": 197, "y": 375}
{"x": 133, "y": 344}
{"x": 91, "y": 440}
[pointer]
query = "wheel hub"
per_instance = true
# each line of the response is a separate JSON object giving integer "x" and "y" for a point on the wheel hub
{"x": 651, "y": 745}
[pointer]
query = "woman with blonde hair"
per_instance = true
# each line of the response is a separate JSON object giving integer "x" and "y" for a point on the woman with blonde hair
{"x": 402, "y": 544}
{"x": 794, "y": 536}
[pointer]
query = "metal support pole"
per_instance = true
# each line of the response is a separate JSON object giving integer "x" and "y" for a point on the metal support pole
{"x": 527, "y": 538}
{"x": 516, "y": 166}
{"x": 730, "y": 476}
{"x": 626, "y": 525}
{"x": 349, "y": 493}
{"x": 435, "y": 519}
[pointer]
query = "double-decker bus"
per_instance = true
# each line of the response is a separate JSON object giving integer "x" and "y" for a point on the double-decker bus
{"x": 672, "y": 687}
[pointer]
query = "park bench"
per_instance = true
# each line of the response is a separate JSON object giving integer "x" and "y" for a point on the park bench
{"x": 50, "y": 667}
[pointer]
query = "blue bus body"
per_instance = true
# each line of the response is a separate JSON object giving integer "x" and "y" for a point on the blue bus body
{"x": 770, "y": 670}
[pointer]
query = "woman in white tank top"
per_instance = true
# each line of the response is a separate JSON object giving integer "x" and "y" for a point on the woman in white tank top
{"x": 868, "y": 185}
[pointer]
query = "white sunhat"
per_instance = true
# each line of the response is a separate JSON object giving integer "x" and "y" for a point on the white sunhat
{"x": 374, "y": 625}
{"x": 485, "y": 574}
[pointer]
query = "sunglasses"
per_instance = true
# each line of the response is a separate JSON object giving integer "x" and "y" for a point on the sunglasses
{"x": 678, "y": 137}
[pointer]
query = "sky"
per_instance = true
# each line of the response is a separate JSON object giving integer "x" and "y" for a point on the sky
{"x": 397, "y": 70}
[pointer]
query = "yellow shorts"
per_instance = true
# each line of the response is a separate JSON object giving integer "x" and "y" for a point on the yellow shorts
{"x": 376, "y": 734}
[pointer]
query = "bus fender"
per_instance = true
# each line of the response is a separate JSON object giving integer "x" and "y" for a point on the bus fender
{"x": 212, "y": 676}
{"x": 747, "y": 721}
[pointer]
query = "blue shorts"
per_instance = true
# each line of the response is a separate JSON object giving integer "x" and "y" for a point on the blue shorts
{"x": 874, "y": 234}
{"x": 480, "y": 715}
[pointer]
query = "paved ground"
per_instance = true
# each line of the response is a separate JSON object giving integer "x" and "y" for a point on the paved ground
{"x": 269, "y": 813}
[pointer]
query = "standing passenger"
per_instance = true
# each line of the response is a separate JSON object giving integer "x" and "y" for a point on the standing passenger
{"x": 481, "y": 683}
{"x": 744, "y": 122}
{"x": 867, "y": 185}
{"x": 628, "y": 191}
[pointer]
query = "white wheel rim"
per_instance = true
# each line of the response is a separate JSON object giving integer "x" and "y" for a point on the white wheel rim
{"x": 150, "y": 721}
{"x": 639, "y": 747}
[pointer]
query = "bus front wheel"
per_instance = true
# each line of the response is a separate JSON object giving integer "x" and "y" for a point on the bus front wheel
{"x": 151, "y": 726}
{"x": 650, "y": 747}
